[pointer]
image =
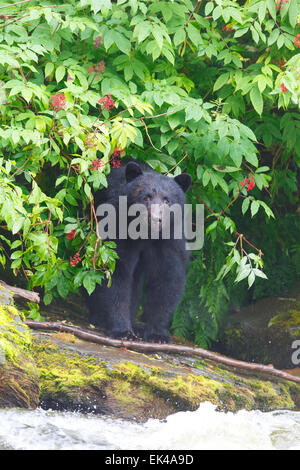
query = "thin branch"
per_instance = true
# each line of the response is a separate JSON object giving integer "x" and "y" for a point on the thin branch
{"x": 141, "y": 346}
{"x": 14, "y": 4}
{"x": 150, "y": 140}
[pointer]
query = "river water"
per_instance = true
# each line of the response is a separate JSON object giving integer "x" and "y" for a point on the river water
{"x": 205, "y": 428}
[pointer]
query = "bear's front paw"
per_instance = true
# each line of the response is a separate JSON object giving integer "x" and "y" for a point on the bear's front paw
{"x": 156, "y": 338}
{"x": 127, "y": 335}
{"x": 139, "y": 331}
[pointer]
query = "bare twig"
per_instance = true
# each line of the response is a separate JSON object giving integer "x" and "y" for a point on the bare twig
{"x": 14, "y": 4}
{"x": 148, "y": 135}
{"x": 141, "y": 346}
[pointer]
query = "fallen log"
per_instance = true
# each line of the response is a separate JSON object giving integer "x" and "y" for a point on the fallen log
{"x": 22, "y": 293}
{"x": 141, "y": 346}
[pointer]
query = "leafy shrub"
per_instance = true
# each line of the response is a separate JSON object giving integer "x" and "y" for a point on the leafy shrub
{"x": 183, "y": 85}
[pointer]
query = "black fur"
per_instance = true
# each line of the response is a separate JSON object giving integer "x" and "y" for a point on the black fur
{"x": 156, "y": 267}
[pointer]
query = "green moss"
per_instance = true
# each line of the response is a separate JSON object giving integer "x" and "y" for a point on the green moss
{"x": 269, "y": 395}
{"x": 70, "y": 380}
{"x": 287, "y": 320}
{"x": 61, "y": 372}
{"x": 187, "y": 391}
{"x": 14, "y": 335}
{"x": 18, "y": 378}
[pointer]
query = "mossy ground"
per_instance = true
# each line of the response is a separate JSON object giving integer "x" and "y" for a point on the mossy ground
{"x": 65, "y": 373}
{"x": 74, "y": 381}
{"x": 18, "y": 375}
{"x": 264, "y": 331}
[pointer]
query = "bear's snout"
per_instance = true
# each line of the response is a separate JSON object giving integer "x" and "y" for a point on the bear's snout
{"x": 156, "y": 214}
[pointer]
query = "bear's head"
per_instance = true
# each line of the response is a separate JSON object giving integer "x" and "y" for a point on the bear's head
{"x": 156, "y": 192}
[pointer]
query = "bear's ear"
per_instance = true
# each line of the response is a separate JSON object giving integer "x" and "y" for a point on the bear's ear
{"x": 184, "y": 180}
{"x": 132, "y": 171}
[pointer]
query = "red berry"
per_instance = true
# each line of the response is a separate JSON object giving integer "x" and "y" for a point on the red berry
{"x": 58, "y": 101}
{"x": 71, "y": 235}
{"x": 107, "y": 102}
{"x": 283, "y": 87}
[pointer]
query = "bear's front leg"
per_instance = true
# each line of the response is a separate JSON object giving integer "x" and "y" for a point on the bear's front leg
{"x": 119, "y": 300}
{"x": 165, "y": 274}
{"x": 112, "y": 304}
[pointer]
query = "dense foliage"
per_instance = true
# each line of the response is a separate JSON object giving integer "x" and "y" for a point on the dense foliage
{"x": 209, "y": 87}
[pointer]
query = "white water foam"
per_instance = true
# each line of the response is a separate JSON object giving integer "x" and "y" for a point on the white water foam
{"x": 205, "y": 428}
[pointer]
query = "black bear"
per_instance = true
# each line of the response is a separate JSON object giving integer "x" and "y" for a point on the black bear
{"x": 153, "y": 266}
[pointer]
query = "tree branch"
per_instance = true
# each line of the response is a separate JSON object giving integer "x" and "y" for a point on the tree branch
{"x": 22, "y": 293}
{"x": 141, "y": 346}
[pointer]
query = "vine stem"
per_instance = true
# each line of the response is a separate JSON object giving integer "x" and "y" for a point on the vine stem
{"x": 240, "y": 235}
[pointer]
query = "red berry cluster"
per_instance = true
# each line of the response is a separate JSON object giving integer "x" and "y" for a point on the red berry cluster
{"x": 117, "y": 152}
{"x": 116, "y": 163}
{"x": 227, "y": 28}
{"x": 71, "y": 235}
{"x": 97, "y": 163}
{"x": 280, "y": 4}
{"x": 107, "y": 102}
{"x": 98, "y": 69}
{"x": 280, "y": 63}
{"x": 98, "y": 41}
{"x": 283, "y": 87}
{"x": 297, "y": 41}
{"x": 249, "y": 184}
{"x": 58, "y": 101}
{"x": 75, "y": 260}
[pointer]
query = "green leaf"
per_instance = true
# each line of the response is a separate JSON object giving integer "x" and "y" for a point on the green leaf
{"x": 273, "y": 36}
{"x": 251, "y": 278}
{"x": 101, "y": 5}
{"x": 87, "y": 190}
{"x": 18, "y": 223}
{"x": 222, "y": 79}
{"x": 271, "y": 8}
{"x": 293, "y": 12}
{"x": 72, "y": 120}
{"x": 89, "y": 283}
{"x": 252, "y": 158}
{"x": 256, "y": 99}
{"x": 158, "y": 35}
{"x": 47, "y": 298}
{"x": 179, "y": 36}
{"x": 262, "y": 11}
{"x": 49, "y": 69}
{"x": 245, "y": 205}
{"x": 225, "y": 169}
{"x": 209, "y": 8}
{"x": 240, "y": 32}
{"x": 206, "y": 178}
{"x": 254, "y": 208}
{"x": 122, "y": 43}
{"x": 217, "y": 13}
{"x": 193, "y": 34}
{"x": 27, "y": 94}
{"x": 60, "y": 73}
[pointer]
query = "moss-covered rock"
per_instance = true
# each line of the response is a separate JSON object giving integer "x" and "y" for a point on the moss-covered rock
{"x": 264, "y": 332}
{"x": 18, "y": 375}
{"x": 59, "y": 371}
{"x": 75, "y": 375}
